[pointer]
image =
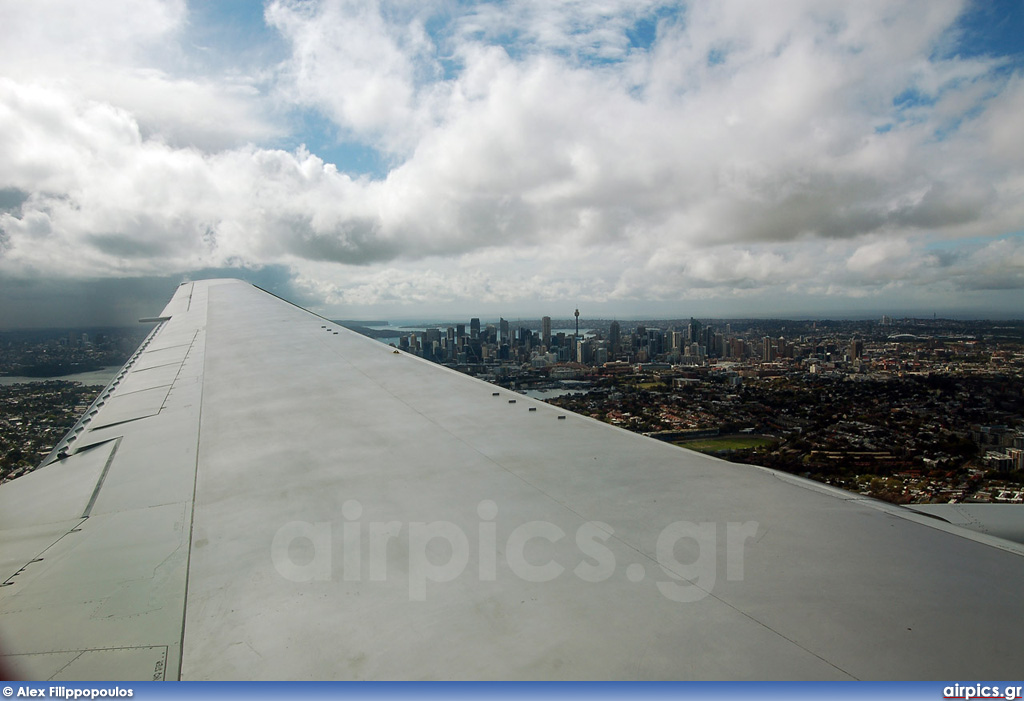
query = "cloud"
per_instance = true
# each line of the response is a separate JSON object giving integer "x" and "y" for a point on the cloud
{"x": 575, "y": 28}
{"x": 11, "y": 199}
{"x": 37, "y": 302}
{"x": 359, "y": 68}
{"x": 999, "y": 265}
{"x": 622, "y": 151}
{"x": 123, "y": 53}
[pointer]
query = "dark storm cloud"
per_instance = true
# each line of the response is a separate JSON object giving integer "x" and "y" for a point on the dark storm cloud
{"x": 11, "y": 199}
{"x": 946, "y": 205}
{"x": 820, "y": 204}
{"x": 130, "y": 246}
{"x": 49, "y": 302}
{"x": 357, "y": 241}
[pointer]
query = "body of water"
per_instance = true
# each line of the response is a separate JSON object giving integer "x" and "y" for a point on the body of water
{"x": 95, "y": 377}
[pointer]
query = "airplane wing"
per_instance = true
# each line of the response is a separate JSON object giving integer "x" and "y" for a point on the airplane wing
{"x": 261, "y": 494}
{"x": 1000, "y": 520}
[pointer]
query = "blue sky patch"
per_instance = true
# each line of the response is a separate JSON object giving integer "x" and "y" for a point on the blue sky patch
{"x": 911, "y": 98}
{"x": 232, "y": 33}
{"x": 323, "y": 139}
{"x": 643, "y": 33}
{"x": 993, "y": 28}
{"x": 971, "y": 243}
{"x": 717, "y": 56}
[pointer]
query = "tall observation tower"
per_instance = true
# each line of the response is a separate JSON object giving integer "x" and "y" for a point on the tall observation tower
{"x": 576, "y": 338}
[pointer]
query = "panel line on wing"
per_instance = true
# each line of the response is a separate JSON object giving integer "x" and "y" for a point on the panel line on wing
{"x": 192, "y": 519}
{"x": 120, "y": 423}
{"x": 146, "y": 389}
{"x": 39, "y": 556}
{"x": 158, "y": 675}
{"x": 68, "y": 664}
{"x": 181, "y": 365}
{"x": 163, "y": 348}
{"x": 103, "y": 476}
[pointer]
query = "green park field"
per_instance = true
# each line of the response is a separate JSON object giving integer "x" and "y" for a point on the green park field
{"x": 719, "y": 443}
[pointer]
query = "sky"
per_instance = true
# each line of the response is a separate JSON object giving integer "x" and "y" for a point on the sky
{"x": 442, "y": 158}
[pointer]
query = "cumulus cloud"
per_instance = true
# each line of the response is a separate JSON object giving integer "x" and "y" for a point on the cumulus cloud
{"x": 361, "y": 69}
{"x": 537, "y": 150}
{"x": 124, "y": 53}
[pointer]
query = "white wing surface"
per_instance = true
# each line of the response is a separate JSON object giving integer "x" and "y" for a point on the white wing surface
{"x": 264, "y": 495}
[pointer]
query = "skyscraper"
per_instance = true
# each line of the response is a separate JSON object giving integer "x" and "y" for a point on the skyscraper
{"x": 655, "y": 342}
{"x": 678, "y": 343}
{"x": 474, "y": 328}
{"x": 545, "y": 334}
{"x": 615, "y": 339}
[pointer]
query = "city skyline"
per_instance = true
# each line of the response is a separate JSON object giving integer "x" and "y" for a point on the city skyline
{"x": 69, "y": 313}
{"x": 637, "y": 159}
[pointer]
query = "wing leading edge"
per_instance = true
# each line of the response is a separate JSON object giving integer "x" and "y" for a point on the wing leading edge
{"x": 266, "y": 495}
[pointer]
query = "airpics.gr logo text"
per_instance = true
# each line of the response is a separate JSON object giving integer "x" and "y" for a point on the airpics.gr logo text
{"x": 687, "y": 554}
{"x": 981, "y": 691}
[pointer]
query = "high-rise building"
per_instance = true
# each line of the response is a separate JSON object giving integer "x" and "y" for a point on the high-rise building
{"x": 856, "y": 349}
{"x": 615, "y": 339}
{"x": 737, "y": 348}
{"x": 503, "y": 329}
{"x": 545, "y": 334}
{"x": 432, "y": 344}
{"x": 655, "y": 342}
{"x": 586, "y": 352}
{"x": 719, "y": 346}
{"x": 767, "y": 350}
{"x": 784, "y": 349}
{"x": 474, "y": 328}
